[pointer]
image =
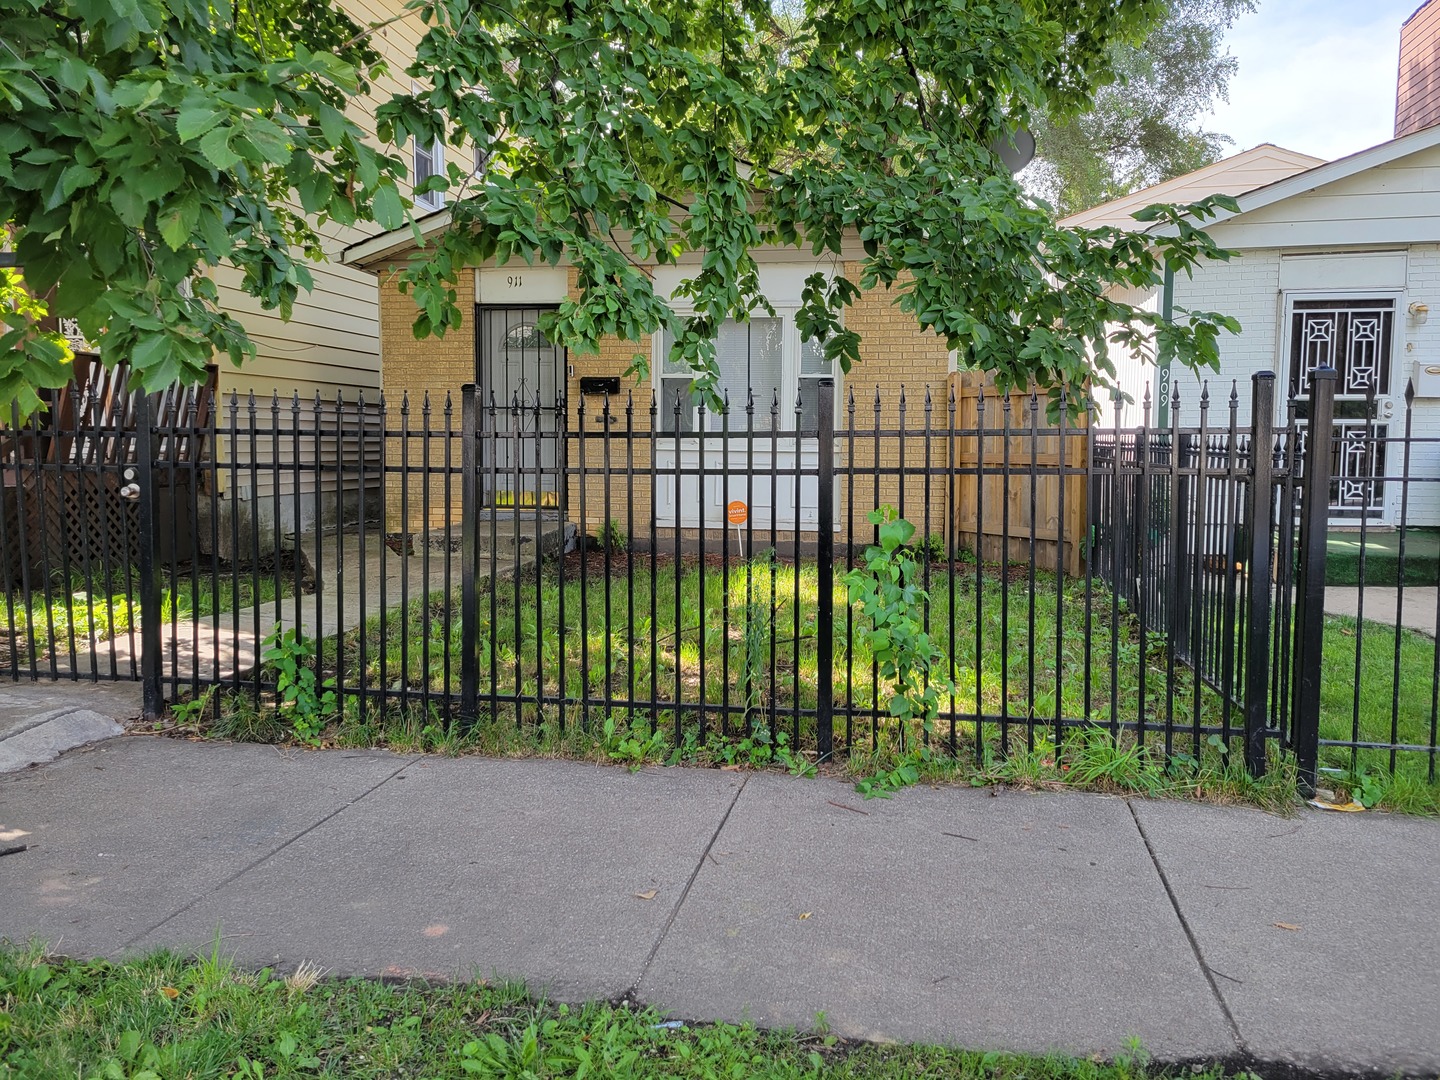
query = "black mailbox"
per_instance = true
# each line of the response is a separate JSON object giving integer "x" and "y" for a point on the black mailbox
{"x": 600, "y": 384}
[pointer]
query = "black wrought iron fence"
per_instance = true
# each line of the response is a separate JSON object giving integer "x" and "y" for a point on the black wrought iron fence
{"x": 680, "y": 573}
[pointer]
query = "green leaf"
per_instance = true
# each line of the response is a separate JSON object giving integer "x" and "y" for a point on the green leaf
{"x": 389, "y": 207}
{"x": 196, "y": 121}
{"x": 177, "y": 221}
{"x": 216, "y": 148}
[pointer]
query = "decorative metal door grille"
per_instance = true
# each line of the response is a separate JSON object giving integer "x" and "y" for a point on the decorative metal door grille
{"x": 1354, "y": 337}
{"x": 518, "y": 371}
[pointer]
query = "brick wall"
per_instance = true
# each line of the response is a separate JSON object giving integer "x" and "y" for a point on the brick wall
{"x": 1421, "y": 345}
{"x": 434, "y": 366}
{"x": 1249, "y": 289}
{"x": 895, "y": 356}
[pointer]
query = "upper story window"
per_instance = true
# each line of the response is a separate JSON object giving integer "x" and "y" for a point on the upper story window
{"x": 429, "y": 161}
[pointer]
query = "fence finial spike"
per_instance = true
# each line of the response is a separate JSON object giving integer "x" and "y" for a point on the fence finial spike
{"x": 425, "y": 404}
{"x": 1205, "y": 395}
{"x": 1409, "y": 392}
{"x": 1234, "y": 392}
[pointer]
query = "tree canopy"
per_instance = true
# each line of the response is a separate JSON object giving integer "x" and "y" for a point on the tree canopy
{"x": 1145, "y": 127}
{"x": 142, "y": 141}
{"x": 149, "y": 140}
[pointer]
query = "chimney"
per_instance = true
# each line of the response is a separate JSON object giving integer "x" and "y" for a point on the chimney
{"x": 1417, "y": 90}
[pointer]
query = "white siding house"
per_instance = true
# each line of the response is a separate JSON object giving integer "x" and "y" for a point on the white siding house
{"x": 331, "y": 343}
{"x": 1254, "y": 168}
{"x": 1339, "y": 265}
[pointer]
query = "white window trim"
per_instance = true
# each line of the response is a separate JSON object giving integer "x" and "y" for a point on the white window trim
{"x": 790, "y": 376}
{"x": 431, "y": 200}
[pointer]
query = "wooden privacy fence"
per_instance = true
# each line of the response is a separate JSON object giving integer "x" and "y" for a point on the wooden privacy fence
{"x": 65, "y": 498}
{"x": 1017, "y": 498}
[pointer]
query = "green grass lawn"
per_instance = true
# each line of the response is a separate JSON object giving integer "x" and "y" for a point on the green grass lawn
{"x": 1026, "y": 662}
{"x": 743, "y": 632}
{"x": 166, "y": 1016}
{"x": 1367, "y": 708}
{"x": 72, "y": 614}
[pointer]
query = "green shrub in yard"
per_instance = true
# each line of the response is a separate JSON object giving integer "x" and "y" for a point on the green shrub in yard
{"x": 612, "y": 538}
{"x": 890, "y": 600}
{"x": 302, "y": 701}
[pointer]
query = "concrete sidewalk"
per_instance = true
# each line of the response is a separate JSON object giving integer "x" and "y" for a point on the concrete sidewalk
{"x": 970, "y": 917}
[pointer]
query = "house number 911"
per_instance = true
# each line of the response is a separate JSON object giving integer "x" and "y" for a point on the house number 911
{"x": 514, "y": 281}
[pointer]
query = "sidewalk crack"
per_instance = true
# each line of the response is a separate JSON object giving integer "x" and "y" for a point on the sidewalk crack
{"x": 1205, "y": 968}
{"x": 634, "y": 989}
{"x": 268, "y": 855}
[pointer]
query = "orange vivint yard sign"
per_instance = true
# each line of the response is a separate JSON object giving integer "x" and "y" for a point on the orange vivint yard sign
{"x": 737, "y": 512}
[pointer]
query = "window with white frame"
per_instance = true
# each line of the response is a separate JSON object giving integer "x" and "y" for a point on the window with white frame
{"x": 763, "y": 356}
{"x": 429, "y": 161}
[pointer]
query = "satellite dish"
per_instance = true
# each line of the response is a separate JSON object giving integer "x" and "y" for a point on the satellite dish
{"x": 1015, "y": 149}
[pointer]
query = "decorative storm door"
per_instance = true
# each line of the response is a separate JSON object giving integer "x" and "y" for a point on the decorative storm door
{"x": 1356, "y": 338}
{"x": 518, "y": 371}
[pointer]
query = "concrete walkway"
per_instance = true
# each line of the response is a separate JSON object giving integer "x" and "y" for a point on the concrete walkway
{"x": 40, "y": 721}
{"x": 351, "y": 584}
{"x": 1419, "y": 606}
{"x": 987, "y": 919}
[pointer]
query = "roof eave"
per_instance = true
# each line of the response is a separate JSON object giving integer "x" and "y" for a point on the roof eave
{"x": 376, "y": 251}
{"x": 1319, "y": 176}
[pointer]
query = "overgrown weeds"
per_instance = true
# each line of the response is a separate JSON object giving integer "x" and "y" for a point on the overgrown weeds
{"x": 205, "y": 1018}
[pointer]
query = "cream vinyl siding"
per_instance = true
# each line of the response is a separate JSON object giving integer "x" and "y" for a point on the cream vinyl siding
{"x": 1397, "y": 202}
{"x": 1255, "y": 168}
{"x": 331, "y": 343}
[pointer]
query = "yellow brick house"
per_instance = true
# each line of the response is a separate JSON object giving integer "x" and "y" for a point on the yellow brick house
{"x": 685, "y": 467}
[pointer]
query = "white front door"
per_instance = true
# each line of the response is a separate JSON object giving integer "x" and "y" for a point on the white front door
{"x": 1356, "y": 337}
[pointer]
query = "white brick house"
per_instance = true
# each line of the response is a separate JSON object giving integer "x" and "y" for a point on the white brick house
{"x": 1337, "y": 264}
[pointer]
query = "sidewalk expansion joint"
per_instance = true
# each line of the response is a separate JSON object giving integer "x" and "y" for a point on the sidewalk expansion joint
{"x": 1205, "y": 968}
{"x": 268, "y": 855}
{"x": 632, "y": 994}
